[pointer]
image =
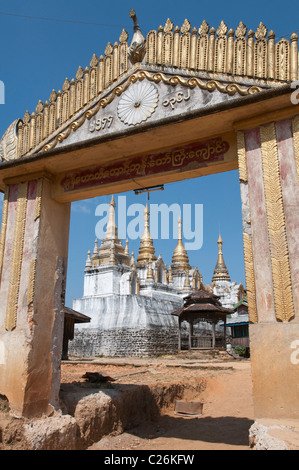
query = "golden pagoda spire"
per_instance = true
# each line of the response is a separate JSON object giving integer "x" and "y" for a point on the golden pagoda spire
{"x": 111, "y": 250}
{"x": 180, "y": 259}
{"x": 146, "y": 250}
{"x": 220, "y": 271}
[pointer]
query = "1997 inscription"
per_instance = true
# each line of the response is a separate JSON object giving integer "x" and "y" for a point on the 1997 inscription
{"x": 100, "y": 124}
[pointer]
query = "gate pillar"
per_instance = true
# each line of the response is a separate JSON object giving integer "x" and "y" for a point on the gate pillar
{"x": 33, "y": 261}
{"x": 268, "y": 170}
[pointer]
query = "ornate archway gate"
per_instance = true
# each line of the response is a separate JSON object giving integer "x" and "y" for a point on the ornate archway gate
{"x": 178, "y": 104}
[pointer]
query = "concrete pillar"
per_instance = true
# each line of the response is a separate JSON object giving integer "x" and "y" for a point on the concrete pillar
{"x": 33, "y": 262}
{"x": 268, "y": 170}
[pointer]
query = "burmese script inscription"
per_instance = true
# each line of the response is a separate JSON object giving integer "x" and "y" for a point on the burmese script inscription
{"x": 178, "y": 98}
{"x": 182, "y": 158}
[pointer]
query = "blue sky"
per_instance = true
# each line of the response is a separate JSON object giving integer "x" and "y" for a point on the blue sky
{"x": 37, "y": 55}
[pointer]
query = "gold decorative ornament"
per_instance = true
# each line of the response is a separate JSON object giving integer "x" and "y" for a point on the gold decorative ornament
{"x": 137, "y": 48}
{"x": 168, "y": 26}
{"x": 204, "y": 28}
{"x": 108, "y": 50}
{"x": 123, "y": 38}
{"x": 261, "y": 32}
{"x": 26, "y": 118}
{"x": 39, "y": 108}
{"x": 31, "y": 282}
{"x": 242, "y": 157}
{"x": 66, "y": 85}
{"x": 210, "y": 85}
{"x": 295, "y": 124}
{"x": 241, "y": 30}
{"x": 38, "y": 198}
{"x": 16, "y": 262}
{"x": 94, "y": 61}
{"x": 250, "y": 278}
{"x": 281, "y": 274}
{"x": 79, "y": 75}
{"x": 3, "y": 227}
{"x": 186, "y": 27}
{"x": 222, "y": 29}
{"x": 253, "y": 56}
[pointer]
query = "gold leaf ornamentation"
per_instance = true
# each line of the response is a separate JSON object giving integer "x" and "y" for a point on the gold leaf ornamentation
{"x": 186, "y": 27}
{"x": 38, "y": 199}
{"x": 281, "y": 274}
{"x": 204, "y": 28}
{"x": 39, "y": 108}
{"x": 3, "y": 227}
{"x": 26, "y": 118}
{"x": 261, "y": 32}
{"x": 66, "y": 85}
{"x": 296, "y": 141}
{"x": 123, "y": 38}
{"x": 17, "y": 254}
{"x": 31, "y": 282}
{"x": 222, "y": 29}
{"x": 80, "y": 73}
{"x": 168, "y": 26}
{"x": 53, "y": 96}
{"x": 250, "y": 279}
{"x": 241, "y": 30}
{"x": 94, "y": 61}
{"x": 242, "y": 156}
{"x": 108, "y": 50}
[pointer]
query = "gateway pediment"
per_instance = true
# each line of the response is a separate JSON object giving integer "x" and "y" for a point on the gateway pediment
{"x": 168, "y": 75}
{"x": 145, "y": 99}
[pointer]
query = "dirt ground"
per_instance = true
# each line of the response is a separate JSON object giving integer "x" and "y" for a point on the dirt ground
{"x": 226, "y": 396}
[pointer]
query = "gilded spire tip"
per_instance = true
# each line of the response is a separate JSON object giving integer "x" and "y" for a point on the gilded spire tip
{"x": 220, "y": 272}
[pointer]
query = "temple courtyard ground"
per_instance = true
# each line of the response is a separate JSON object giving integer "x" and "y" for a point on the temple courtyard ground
{"x": 222, "y": 384}
{"x": 134, "y": 407}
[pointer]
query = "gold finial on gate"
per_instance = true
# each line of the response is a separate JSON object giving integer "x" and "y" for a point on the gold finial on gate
{"x": 137, "y": 49}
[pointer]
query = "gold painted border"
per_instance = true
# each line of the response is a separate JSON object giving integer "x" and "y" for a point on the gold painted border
{"x": 31, "y": 283}
{"x": 38, "y": 199}
{"x": 295, "y": 125}
{"x": 192, "y": 82}
{"x": 17, "y": 254}
{"x": 250, "y": 278}
{"x": 243, "y": 176}
{"x": 281, "y": 273}
{"x": 3, "y": 227}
